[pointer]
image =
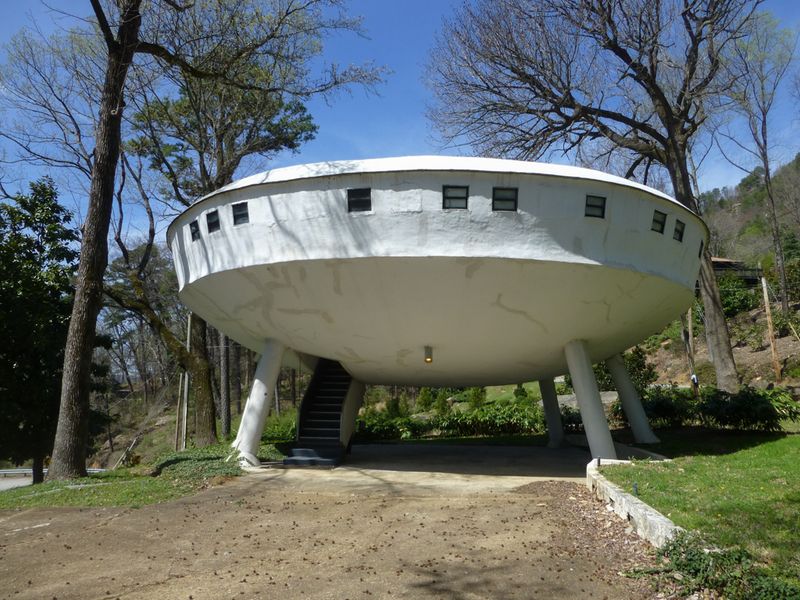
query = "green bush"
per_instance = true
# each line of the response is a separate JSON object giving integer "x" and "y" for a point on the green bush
{"x": 477, "y": 397}
{"x": 748, "y": 409}
{"x": 280, "y": 429}
{"x": 735, "y": 295}
{"x": 571, "y": 419}
{"x": 424, "y": 399}
{"x": 520, "y": 393}
{"x": 494, "y": 419}
{"x": 783, "y": 324}
{"x": 670, "y": 406}
{"x": 489, "y": 419}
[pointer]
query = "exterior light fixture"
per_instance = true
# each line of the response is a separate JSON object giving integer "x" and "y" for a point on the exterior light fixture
{"x": 428, "y": 354}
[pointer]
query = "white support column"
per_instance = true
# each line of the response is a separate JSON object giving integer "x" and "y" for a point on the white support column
{"x": 594, "y": 417}
{"x": 631, "y": 402}
{"x": 552, "y": 414}
{"x": 248, "y": 437}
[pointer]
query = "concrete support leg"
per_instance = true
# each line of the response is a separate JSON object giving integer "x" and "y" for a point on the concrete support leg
{"x": 552, "y": 414}
{"x": 631, "y": 402}
{"x": 248, "y": 437}
{"x": 594, "y": 418}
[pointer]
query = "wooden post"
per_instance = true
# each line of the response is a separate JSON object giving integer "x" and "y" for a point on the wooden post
{"x": 770, "y": 330}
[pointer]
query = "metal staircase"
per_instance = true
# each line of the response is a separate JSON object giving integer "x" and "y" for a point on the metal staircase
{"x": 319, "y": 423}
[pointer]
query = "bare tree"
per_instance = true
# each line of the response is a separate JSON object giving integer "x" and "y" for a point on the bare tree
{"x": 758, "y": 64}
{"x": 163, "y": 34}
{"x": 523, "y": 78}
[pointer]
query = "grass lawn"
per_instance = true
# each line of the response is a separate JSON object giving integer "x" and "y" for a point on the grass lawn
{"x": 172, "y": 476}
{"x": 505, "y": 393}
{"x": 738, "y": 489}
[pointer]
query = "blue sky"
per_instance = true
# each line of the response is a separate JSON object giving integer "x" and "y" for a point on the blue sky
{"x": 392, "y": 122}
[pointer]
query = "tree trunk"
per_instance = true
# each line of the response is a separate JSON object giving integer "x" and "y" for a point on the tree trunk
{"x": 38, "y": 468}
{"x": 717, "y": 338}
{"x": 780, "y": 264}
{"x": 236, "y": 376}
{"x": 206, "y": 429}
{"x": 294, "y": 387}
{"x": 224, "y": 385}
{"x": 69, "y": 450}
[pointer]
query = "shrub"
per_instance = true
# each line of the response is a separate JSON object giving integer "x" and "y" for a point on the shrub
{"x": 424, "y": 399}
{"x": 669, "y": 406}
{"x": 477, "y": 397}
{"x": 441, "y": 405}
{"x": 520, "y": 393}
{"x": 735, "y": 296}
{"x": 494, "y": 419}
{"x": 571, "y": 419}
{"x": 783, "y": 324}
{"x": 280, "y": 429}
{"x": 747, "y": 409}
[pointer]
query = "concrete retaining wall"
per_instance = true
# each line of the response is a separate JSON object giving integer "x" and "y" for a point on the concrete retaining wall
{"x": 646, "y": 521}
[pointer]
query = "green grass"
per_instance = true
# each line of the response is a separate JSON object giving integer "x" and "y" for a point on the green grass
{"x": 538, "y": 439}
{"x": 738, "y": 491}
{"x": 505, "y": 393}
{"x": 172, "y": 476}
{"x": 114, "y": 488}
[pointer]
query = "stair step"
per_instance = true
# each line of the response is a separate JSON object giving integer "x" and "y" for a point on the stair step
{"x": 322, "y": 422}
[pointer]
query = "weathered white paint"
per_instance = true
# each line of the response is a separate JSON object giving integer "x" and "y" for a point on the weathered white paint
{"x": 552, "y": 413}
{"x": 631, "y": 402}
{"x": 592, "y": 414}
{"x": 496, "y": 294}
{"x": 265, "y": 378}
{"x": 352, "y": 402}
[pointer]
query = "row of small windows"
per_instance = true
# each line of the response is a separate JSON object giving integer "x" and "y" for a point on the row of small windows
{"x": 596, "y": 207}
{"x": 239, "y": 212}
{"x": 454, "y": 197}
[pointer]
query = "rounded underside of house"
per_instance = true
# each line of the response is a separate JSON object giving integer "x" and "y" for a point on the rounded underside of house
{"x": 493, "y": 265}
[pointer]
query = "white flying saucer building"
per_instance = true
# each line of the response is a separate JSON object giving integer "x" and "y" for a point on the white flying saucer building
{"x": 436, "y": 271}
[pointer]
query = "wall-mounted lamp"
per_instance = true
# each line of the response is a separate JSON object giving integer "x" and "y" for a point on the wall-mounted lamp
{"x": 428, "y": 354}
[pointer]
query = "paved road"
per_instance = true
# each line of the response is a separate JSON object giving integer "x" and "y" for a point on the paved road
{"x": 6, "y": 483}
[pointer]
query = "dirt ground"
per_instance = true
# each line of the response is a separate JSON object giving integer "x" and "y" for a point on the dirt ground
{"x": 347, "y": 533}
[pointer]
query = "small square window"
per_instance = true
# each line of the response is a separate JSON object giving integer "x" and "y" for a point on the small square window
{"x": 212, "y": 221}
{"x": 595, "y": 207}
{"x": 680, "y": 227}
{"x": 504, "y": 198}
{"x": 659, "y": 221}
{"x": 455, "y": 196}
{"x": 194, "y": 228}
{"x": 240, "y": 213}
{"x": 359, "y": 200}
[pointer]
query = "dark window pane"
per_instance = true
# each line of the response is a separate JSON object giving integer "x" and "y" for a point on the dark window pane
{"x": 455, "y": 196}
{"x": 659, "y": 221}
{"x": 194, "y": 227}
{"x": 504, "y": 199}
{"x": 212, "y": 221}
{"x": 359, "y": 200}
{"x": 700, "y": 254}
{"x": 596, "y": 207}
{"x": 680, "y": 226}
{"x": 240, "y": 213}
